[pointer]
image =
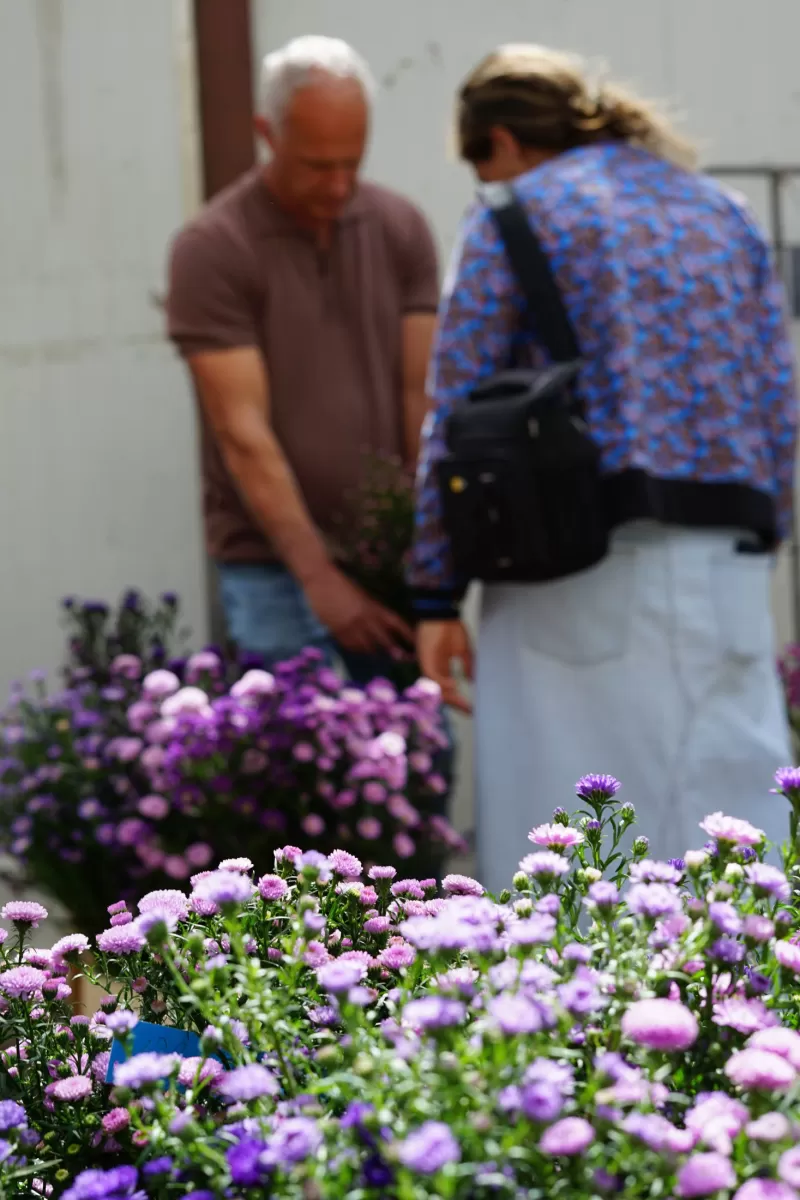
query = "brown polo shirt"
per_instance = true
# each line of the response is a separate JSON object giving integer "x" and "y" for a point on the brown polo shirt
{"x": 328, "y": 325}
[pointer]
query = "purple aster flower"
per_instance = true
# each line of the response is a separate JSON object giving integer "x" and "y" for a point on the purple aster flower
{"x": 76, "y": 1087}
{"x": 22, "y": 983}
{"x": 657, "y": 1133}
{"x": 705, "y": 1174}
{"x": 144, "y": 1069}
{"x": 545, "y": 864}
{"x": 242, "y": 865}
{"x": 202, "y": 1070}
{"x": 295, "y": 1140}
{"x": 570, "y": 1136}
{"x": 68, "y": 948}
{"x": 727, "y": 950}
{"x": 732, "y": 830}
{"x": 514, "y": 1014}
{"x": 772, "y": 1127}
{"x": 653, "y": 900}
{"x": 125, "y": 939}
{"x": 433, "y": 1012}
{"x": 344, "y": 864}
{"x": 651, "y": 871}
{"x": 725, "y": 917}
{"x": 12, "y": 1116}
{"x": 541, "y": 1101}
{"x": 602, "y": 895}
{"x": 580, "y": 997}
{"x": 462, "y": 885}
{"x": 248, "y": 1083}
{"x": 165, "y": 900}
{"x": 597, "y": 787}
{"x": 760, "y": 1070}
{"x": 324, "y": 1015}
{"x": 376, "y": 1173}
{"x": 788, "y": 780}
{"x": 245, "y": 1162}
{"x": 382, "y": 874}
{"x": 339, "y": 976}
{"x": 157, "y": 1166}
{"x": 24, "y": 912}
{"x": 534, "y": 931}
{"x": 429, "y": 1148}
{"x": 660, "y": 1024}
{"x": 224, "y": 889}
{"x": 766, "y": 880}
{"x": 765, "y": 1189}
{"x": 117, "y": 1184}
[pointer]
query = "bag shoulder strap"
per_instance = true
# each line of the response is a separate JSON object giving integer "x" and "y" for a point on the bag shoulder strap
{"x": 533, "y": 273}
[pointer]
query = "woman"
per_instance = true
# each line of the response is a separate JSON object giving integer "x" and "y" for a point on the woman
{"x": 658, "y": 664}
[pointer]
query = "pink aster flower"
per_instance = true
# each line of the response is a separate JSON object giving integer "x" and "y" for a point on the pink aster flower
{"x": 22, "y": 983}
{"x": 555, "y": 837}
{"x": 788, "y": 955}
{"x": 570, "y": 1136}
{"x": 397, "y": 956}
{"x": 206, "y": 1070}
{"x": 660, "y": 1024}
{"x": 778, "y": 1040}
{"x": 165, "y": 900}
{"x": 153, "y": 807}
{"x": 462, "y": 885}
{"x": 743, "y": 1015}
{"x": 760, "y": 1070}
{"x": 124, "y": 940}
{"x": 24, "y": 912}
{"x": 187, "y": 700}
{"x": 253, "y": 684}
{"x": 344, "y": 864}
{"x": 272, "y": 887}
{"x": 734, "y": 830}
{"x": 765, "y": 1189}
{"x": 77, "y": 1087}
{"x": 772, "y": 1127}
{"x": 116, "y": 1120}
{"x": 545, "y": 864}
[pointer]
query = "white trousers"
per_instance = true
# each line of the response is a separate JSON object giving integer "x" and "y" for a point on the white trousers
{"x": 658, "y": 667}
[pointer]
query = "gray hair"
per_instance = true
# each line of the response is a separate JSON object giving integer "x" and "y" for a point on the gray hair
{"x": 285, "y": 71}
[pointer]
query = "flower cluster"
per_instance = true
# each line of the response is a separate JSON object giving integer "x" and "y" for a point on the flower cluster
{"x": 611, "y": 1026}
{"x": 113, "y": 788}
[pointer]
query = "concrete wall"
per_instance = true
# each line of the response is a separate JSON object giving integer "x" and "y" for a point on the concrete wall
{"x": 729, "y": 65}
{"x": 98, "y": 481}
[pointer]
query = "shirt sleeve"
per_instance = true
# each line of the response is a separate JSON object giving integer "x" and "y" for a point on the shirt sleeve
{"x": 210, "y": 305}
{"x": 478, "y": 320}
{"x": 778, "y": 385}
{"x": 419, "y": 268}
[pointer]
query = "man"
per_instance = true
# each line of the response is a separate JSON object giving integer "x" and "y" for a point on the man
{"x": 304, "y": 303}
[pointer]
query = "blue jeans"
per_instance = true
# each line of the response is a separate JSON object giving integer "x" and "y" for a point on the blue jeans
{"x": 267, "y": 614}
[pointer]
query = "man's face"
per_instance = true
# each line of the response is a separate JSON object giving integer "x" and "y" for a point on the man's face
{"x": 318, "y": 148}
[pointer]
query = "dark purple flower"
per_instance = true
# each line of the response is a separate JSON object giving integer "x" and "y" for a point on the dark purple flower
{"x": 376, "y": 1173}
{"x": 597, "y": 788}
{"x": 157, "y": 1166}
{"x": 245, "y": 1162}
{"x": 12, "y": 1116}
{"x": 117, "y": 1184}
{"x": 727, "y": 950}
{"x": 541, "y": 1101}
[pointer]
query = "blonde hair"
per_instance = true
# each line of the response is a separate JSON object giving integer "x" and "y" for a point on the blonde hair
{"x": 548, "y": 102}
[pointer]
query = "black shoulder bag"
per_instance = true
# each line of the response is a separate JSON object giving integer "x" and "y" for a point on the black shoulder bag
{"x": 520, "y": 483}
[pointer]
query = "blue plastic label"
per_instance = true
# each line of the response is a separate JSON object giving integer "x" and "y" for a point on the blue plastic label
{"x": 155, "y": 1039}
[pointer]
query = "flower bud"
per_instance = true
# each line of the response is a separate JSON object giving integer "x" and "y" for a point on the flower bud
{"x": 695, "y": 860}
{"x": 521, "y": 882}
{"x": 640, "y": 846}
{"x": 734, "y": 871}
{"x": 523, "y": 908}
{"x": 592, "y": 875}
{"x": 560, "y": 816}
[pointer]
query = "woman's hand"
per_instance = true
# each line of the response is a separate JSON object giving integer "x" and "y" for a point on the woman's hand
{"x": 440, "y": 644}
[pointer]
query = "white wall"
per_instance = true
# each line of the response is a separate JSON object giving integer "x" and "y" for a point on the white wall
{"x": 98, "y": 480}
{"x": 729, "y": 65}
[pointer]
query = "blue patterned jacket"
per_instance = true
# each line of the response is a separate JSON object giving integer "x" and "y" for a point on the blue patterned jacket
{"x": 688, "y": 375}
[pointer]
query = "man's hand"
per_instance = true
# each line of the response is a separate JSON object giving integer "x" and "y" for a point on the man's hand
{"x": 357, "y": 622}
{"x": 440, "y": 644}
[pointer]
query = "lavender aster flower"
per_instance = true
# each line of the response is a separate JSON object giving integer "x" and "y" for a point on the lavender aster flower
{"x": 429, "y": 1148}
{"x": 766, "y": 880}
{"x": 462, "y": 885}
{"x": 653, "y": 900}
{"x": 68, "y": 948}
{"x": 514, "y": 1014}
{"x": 295, "y": 1140}
{"x": 602, "y": 896}
{"x": 344, "y": 864}
{"x": 121, "y": 1022}
{"x": 765, "y": 1189}
{"x": 760, "y": 1070}
{"x": 726, "y": 950}
{"x": 660, "y": 1024}
{"x": 124, "y": 939}
{"x": 652, "y": 871}
{"x": 705, "y": 1174}
{"x": 772, "y": 1127}
{"x": 545, "y": 864}
{"x": 145, "y": 1069}
{"x": 743, "y": 1015}
{"x": 224, "y": 889}
{"x": 570, "y": 1136}
{"x": 778, "y": 1040}
{"x": 339, "y": 976}
{"x": 24, "y": 912}
{"x": 789, "y": 1166}
{"x": 725, "y": 917}
{"x": 433, "y": 1012}
{"x": 788, "y": 781}
{"x": 248, "y": 1083}
{"x": 272, "y": 887}
{"x": 165, "y": 900}
{"x": 117, "y": 1184}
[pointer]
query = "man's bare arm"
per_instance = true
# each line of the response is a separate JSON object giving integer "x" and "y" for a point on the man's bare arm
{"x": 234, "y": 393}
{"x": 418, "y": 330}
